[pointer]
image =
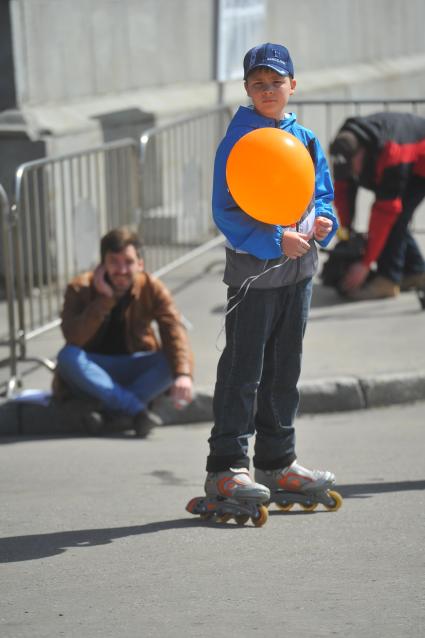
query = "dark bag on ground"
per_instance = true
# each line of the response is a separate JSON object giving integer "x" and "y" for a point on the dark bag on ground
{"x": 340, "y": 258}
{"x": 36, "y": 412}
{"x": 28, "y": 418}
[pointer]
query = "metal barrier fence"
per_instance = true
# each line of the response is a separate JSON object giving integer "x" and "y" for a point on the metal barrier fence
{"x": 65, "y": 204}
{"x": 326, "y": 116}
{"x": 8, "y": 314}
{"x": 176, "y": 180}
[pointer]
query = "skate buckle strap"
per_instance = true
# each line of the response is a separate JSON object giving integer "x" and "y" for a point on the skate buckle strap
{"x": 227, "y": 484}
{"x": 292, "y": 481}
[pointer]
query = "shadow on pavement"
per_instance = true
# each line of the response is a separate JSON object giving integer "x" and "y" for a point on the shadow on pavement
{"x": 365, "y": 490}
{"x": 27, "y": 438}
{"x": 32, "y": 547}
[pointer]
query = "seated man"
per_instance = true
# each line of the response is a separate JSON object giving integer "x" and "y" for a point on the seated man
{"x": 112, "y": 357}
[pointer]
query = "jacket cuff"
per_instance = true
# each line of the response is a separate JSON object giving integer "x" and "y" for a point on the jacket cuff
{"x": 183, "y": 374}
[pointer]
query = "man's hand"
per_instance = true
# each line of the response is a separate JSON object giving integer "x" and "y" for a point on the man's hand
{"x": 322, "y": 228}
{"x": 100, "y": 283}
{"x": 295, "y": 244}
{"x": 355, "y": 276}
{"x": 181, "y": 391}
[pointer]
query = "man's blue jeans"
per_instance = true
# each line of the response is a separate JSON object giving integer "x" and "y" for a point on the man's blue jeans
{"x": 261, "y": 361}
{"x": 401, "y": 255}
{"x": 122, "y": 383}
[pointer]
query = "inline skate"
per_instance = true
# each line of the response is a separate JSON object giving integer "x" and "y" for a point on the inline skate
{"x": 297, "y": 484}
{"x": 232, "y": 494}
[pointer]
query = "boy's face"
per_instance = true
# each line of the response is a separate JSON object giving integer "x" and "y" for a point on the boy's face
{"x": 269, "y": 92}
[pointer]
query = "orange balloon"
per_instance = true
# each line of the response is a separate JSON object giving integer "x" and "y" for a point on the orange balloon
{"x": 271, "y": 176}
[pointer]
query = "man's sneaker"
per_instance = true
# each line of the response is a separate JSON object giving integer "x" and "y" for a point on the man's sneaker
{"x": 378, "y": 288}
{"x": 295, "y": 478}
{"x": 84, "y": 413}
{"x": 144, "y": 422}
{"x": 93, "y": 423}
{"x": 415, "y": 280}
{"x": 118, "y": 422}
{"x": 237, "y": 484}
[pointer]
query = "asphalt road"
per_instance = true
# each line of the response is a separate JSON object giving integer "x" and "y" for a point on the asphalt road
{"x": 95, "y": 540}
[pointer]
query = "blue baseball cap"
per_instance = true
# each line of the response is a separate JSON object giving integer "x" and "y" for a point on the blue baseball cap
{"x": 272, "y": 56}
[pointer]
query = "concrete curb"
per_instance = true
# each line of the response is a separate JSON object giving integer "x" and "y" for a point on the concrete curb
{"x": 317, "y": 397}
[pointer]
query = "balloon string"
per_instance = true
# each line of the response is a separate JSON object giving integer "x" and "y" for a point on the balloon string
{"x": 246, "y": 283}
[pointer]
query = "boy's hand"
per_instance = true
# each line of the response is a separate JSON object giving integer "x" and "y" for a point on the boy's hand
{"x": 322, "y": 228}
{"x": 100, "y": 283}
{"x": 295, "y": 244}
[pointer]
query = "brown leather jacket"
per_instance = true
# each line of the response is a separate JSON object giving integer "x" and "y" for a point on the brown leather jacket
{"x": 84, "y": 311}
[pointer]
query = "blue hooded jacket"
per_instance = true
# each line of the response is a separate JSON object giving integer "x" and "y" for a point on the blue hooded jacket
{"x": 244, "y": 233}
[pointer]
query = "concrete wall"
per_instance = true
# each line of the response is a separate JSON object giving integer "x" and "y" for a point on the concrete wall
{"x": 351, "y": 48}
{"x": 93, "y": 49}
{"x": 86, "y": 48}
{"x": 76, "y": 64}
{"x": 330, "y": 33}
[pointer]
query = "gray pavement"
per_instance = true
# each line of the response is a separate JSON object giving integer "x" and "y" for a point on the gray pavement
{"x": 94, "y": 539}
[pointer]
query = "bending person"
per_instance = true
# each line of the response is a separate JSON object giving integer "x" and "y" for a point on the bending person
{"x": 384, "y": 153}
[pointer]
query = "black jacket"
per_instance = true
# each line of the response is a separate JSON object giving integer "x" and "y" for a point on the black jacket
{"x": 395, "y": 152}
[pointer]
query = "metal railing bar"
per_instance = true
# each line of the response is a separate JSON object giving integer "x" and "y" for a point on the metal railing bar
{"x": 183, "y": 120}
{"x": 68, "y": 156}
{"x": 38, "y": 245}
{"x": 356, "y": 101}
{"x": 192, "y": 254}
{"x": 7, "y": 224}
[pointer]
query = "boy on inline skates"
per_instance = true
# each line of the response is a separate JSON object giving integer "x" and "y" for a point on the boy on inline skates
{"x": 257, "y": 375}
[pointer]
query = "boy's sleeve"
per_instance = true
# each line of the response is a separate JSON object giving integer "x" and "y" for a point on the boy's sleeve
{"x": 242, "y": 231}
{"x": 324, "y": 192}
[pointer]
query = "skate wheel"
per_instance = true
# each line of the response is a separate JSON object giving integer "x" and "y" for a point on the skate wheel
{"x": 223, "y": 518}
{"x": 192, "y": 504}
{"x": 309, "y": 507}
{"x": 284, "y": 507}
{"x": 242, "y": 519}
{"x": 337, "y": 501}
{"x": 262, "y": 517}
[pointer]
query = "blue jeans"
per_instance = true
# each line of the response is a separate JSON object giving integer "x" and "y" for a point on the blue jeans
{"x": 401, "y": 255}
{"x": 260, "y": 364}
{"x": 122, "y": 383}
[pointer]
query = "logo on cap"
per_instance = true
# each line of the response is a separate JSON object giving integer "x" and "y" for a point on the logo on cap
{"x": 274, "y": 56}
